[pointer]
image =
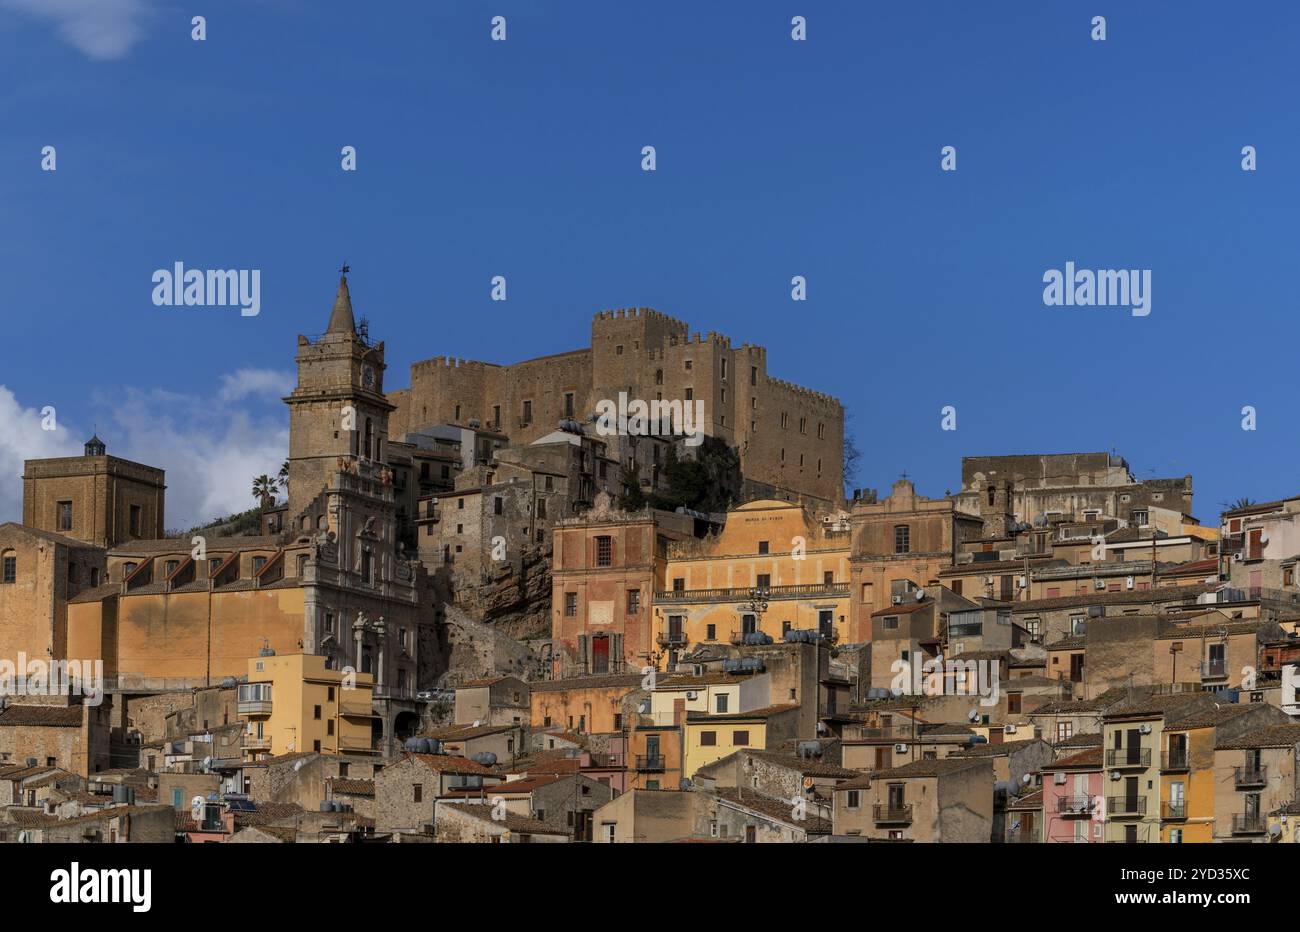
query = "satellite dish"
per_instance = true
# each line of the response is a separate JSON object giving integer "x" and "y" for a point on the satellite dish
{"x": 920, "y": 595}
{"x": 973, "y": 715}
{"x": 196, "y": 808}
{"x": 1026, "y": 778}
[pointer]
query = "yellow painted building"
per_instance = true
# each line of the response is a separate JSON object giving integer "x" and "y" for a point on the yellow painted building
{"x": 293, "y": 703}
{"x": 800, "y": 564}
{"x": 1187, "y": 783}
{"x": 708, "y": 738}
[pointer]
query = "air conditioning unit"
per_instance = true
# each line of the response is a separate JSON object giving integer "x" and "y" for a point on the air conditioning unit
{"x": 1144, "y": 729}
{"x": 1101, "y": 584}
{"x": 1021, "y": 582}
{"x": 1128, "y": 582}
{"x": 988, "y": 580}
{"x": 1059, "y": 778}
{"x": 692, "y": 694}
{"x": 1010, "y": 729}
{"x": 1114, "y": 774}
{"x": 898, "y": 600}
{"x": 901, "y": 748}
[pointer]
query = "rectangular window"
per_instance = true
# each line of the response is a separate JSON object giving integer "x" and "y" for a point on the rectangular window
{"x": 708, "y": 739}
{"x": 65, "y": 516}
{"x": 134, "y": 520}
{"x": 721, "y": 702}
{"x": 902, "y": 539}
{"x": 604, "y": 551}
{"x": 762, "y": 547}
{"x": 528, "y": 412}
{"x": 633, "y": 601}
{"x": 570, "y": 604}
{"x": 740, "y": 739}
{"x": 568, "y": 404}
{"x": 417, "y": 793}
{"x": 9, "y": 573}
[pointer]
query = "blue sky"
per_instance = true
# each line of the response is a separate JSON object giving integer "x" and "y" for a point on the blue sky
{"x": 775, "y": 158}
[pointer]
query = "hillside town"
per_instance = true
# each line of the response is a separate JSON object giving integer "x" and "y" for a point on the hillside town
{"x": 619, "y": 595}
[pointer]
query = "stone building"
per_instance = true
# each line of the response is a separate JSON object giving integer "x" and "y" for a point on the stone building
{"x": 39, "y": 572}
{"x": 899, "y": 544}
{"x": 790, "y": 438}
{"x": 96, "y": 498}
{"x": 1079, "y": 485}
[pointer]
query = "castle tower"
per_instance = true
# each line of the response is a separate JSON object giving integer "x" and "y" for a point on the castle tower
{"x": 338, "y": 408}
{"x": 94, "y": 497}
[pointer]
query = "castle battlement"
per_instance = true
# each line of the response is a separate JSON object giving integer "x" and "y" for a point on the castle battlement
{"x": 639, "y": 313}
{"x": 801, "y": 392}
{"x": 454, "y": 362}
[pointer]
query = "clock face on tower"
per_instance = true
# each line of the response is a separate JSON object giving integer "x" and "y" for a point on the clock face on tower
{"x": 367, "y": 377}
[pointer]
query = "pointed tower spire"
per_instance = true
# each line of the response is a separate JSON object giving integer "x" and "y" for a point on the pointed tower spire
{"x": 341, "y": 320}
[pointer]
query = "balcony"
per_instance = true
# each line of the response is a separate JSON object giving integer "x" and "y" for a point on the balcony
{"x": 1174, "y": 811}
{"x": 254, "y": 707}
{"x": 1250, "y": 776}
{"x": 1247, "y": 824}
{"x": 1076, "y": 805}
{"x": 1174, "y": 760}
{"x": 890, "y": 733}
{"x": 356, "y": 708}
{"x": 1022, "y": 837}
{"x": 671, "y": 639}
{"x": 1121, "y": 807}
{"x": 770, "y": 593}
{"x": 254, "y": 743}
{"x": 651, "y": 763}
{"x": 1214, "y": 669}
{"x": 892, "y": 815}
{"x": 1128, "y": 758}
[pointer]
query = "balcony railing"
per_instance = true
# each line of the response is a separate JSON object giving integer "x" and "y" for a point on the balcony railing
{"x": 893, "y": 815}
{"x": 254, "y": 743}
{"x": 652, "y": 763}
{"x": 1174, "y": 810}
{"x": 1174, "y": 760}
{"x": 806, "y": 591}
{"x": 1249, "y": 776}
{"x": 255, "y": 707}
{"x": 671, "y": 638}
{"x": 890, "y": 733}
{"x": 1121, "y": 758}
{"x": 1247, "y": 824}
{"x": 1075, "y": 805}
{"x": 1022, "y": 837}
{"x": 354, "y": 708}
{"x": 1121, "y": 806}
{"x": 1214, "y": 669}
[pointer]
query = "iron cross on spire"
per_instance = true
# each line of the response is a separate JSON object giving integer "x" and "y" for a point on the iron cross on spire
{"x": 346, "y": 269}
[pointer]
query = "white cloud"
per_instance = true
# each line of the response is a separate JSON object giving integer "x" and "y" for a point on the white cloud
{"x": 102, "y": 29}
{"x": 210, "y": 452}
{"x": 22, "y": 438}
{"x": 244, "y": 382}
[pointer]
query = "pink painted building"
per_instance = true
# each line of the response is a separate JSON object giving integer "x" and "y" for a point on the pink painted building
{"x": 1074, "y": 798}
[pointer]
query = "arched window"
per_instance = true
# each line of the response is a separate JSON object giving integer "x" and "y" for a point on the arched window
{"x": 8, "y": 566}
{"x": 992, "y": 492}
